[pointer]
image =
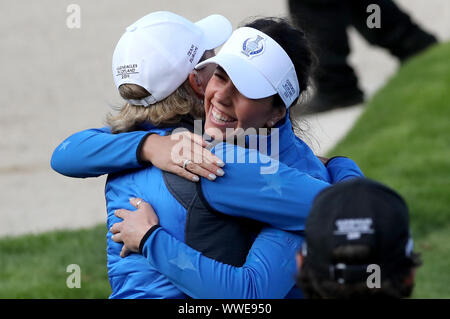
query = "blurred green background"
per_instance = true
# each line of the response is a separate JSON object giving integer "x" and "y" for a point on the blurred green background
{"x": 403, "y": 140}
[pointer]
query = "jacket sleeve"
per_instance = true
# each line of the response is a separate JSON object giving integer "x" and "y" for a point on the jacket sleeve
{"x": 268, "y": 272}
{"x": 342, "y": 168}
{"x": 280, "y": 196}
{"x": 94, "y": 152}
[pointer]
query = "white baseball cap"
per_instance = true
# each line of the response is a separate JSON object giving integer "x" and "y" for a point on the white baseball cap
{"x": 159, "y": 51}
{"x": 258, "y": 66}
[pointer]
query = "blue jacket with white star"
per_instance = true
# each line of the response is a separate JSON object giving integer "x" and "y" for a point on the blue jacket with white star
{"x": 282, "y": 201}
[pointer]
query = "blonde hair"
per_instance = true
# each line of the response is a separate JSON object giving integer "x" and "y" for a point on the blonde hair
{"x": 182, "y": 102}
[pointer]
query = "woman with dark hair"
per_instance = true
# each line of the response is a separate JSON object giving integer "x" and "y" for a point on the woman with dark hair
{"x": 254, "y": 86}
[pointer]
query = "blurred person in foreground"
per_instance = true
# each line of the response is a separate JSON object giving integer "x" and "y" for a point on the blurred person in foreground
{"x": 358, "y": 244}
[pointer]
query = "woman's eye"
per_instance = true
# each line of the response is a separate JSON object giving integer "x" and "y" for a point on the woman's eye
{"x": 220, "y": 76}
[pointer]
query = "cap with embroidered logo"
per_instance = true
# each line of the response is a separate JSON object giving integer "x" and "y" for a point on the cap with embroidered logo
{"x": 159, "y": 51}
{"x": 358, "y": 212}
{"x": 257, "y": 65}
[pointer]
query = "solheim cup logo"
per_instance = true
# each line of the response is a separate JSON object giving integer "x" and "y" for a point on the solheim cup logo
{"x": 253, "y": 46}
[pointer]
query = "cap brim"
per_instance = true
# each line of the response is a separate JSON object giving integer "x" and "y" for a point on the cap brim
{"x": 245, "y": 77}
{"x": 216, "y": 28}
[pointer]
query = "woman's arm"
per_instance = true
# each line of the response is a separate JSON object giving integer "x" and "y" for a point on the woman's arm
{"x": 268, "y": 272}
{"x": 342, "y": 168}
{"x": 94, "y": 152}
{"x": 281, "y": 198}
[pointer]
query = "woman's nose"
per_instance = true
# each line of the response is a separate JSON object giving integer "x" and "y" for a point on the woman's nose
{"x": 225, "y": 94}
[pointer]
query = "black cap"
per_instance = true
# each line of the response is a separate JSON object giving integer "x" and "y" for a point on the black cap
{"x": 358, "y": 212}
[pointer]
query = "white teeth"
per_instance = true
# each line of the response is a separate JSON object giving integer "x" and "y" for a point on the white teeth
{"x": 218, "y": 117}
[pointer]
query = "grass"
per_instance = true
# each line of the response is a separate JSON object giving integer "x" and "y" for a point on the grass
{"x": 34, "y": 266}
{"x": 433, "y": 279}
{"x": 402, "y": 139}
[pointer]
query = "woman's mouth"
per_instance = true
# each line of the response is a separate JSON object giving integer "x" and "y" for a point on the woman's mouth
{"x": 221, "y": 118}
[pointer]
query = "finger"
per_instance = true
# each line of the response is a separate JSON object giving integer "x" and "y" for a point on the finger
{"x": 197, "y": 139}
{"x": 210, "y": 157}
{"x": 116, "y": 228}
{"x": 141, "y": 204}
{"x": 200, "y": 171}
{"x": 145, "y": 206}
{"x": 184, "y": 173}
{"x": 214, "y": 169}
{"x": 124, "y": 252}
{"x": 117, "y": 237}
{"x": 136, "y": 201}
{"x": 205, "y": 154}
{"x": 200, "y": 155}
{"x": 206, "y": 163}
{"x": 121, "y": 213}
{"x": 188, "y": 137}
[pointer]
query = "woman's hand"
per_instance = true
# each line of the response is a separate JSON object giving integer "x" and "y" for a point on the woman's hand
{"x": 134, "y": 225}
{"x": 183, "y": 154}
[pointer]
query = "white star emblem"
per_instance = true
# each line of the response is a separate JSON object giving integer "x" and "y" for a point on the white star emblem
{"x": 273, "y": 182}
{"x": 182, "y": 261}
{"x": 63, "y": 146}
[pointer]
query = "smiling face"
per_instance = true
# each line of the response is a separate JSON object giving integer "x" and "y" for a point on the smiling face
{"x": 226, "y": 107}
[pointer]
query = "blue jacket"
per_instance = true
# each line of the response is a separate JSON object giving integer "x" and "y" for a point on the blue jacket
{"x": 283, "y": 201}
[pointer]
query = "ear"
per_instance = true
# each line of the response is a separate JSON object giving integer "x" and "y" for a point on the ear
{"x": 196, "y": 84}
{"x": 278, "y": 113}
